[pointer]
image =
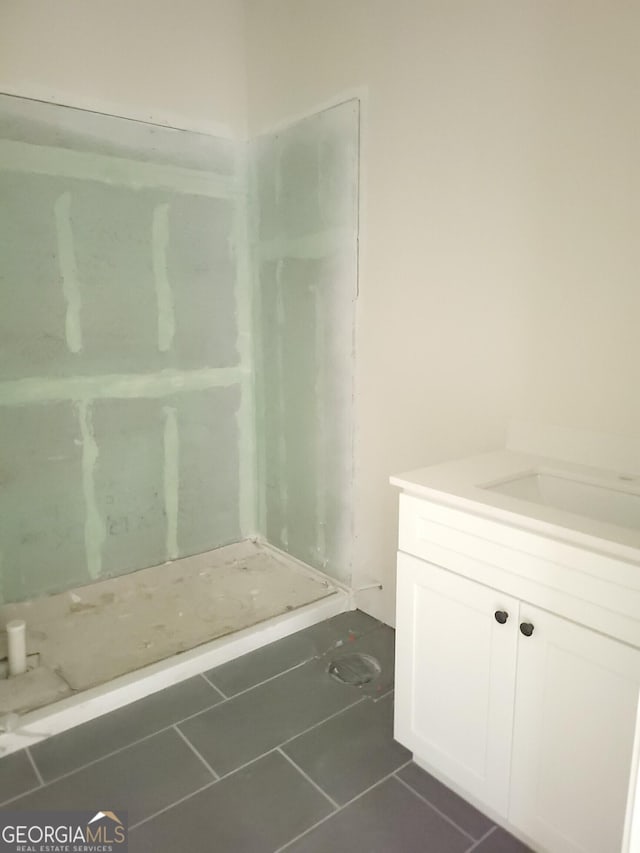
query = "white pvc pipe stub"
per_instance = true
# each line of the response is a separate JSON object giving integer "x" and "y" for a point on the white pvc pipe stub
{"x": 17, "y": 646}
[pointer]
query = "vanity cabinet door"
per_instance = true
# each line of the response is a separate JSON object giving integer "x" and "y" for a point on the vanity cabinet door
{"x": 456, "y": 644}
{"x": 575, "y": 712}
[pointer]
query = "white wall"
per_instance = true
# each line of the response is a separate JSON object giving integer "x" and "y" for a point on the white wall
{"x": 176, "y": 63}
{"x": 499, "y": 228}
{"x": 583, "y": 300}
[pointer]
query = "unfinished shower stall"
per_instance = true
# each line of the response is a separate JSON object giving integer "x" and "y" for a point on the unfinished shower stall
{"x": 176, "y": 370}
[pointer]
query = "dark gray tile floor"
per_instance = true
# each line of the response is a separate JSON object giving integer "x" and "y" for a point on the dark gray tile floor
{"x": 265, "y": 753}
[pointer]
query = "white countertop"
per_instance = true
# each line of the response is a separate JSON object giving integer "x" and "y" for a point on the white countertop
{"x": 459, "y": 484}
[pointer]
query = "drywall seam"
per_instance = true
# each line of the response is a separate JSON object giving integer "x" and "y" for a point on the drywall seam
{"x": 246, "y": 412}
{"x": 255, "y": 302}
{"x": 116, "y": 385}
{"x": 94, "y": 527}
{"x": 282, "y": 446}
{"x": 277, "y": 184}
{"x": 171, "y": 478}
{"x": 164, "y": 296}
{"x": 68, "y": 271}
{"x": 102, "y": 168}
{"x": 309, "y": 247}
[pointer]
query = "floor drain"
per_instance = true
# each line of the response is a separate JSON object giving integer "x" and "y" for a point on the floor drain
{"x": 355, "y": 669}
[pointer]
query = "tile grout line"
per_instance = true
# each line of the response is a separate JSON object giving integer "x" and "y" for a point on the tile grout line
{"x": 215, "y": 687}
{"x": 308, "y": 778}
{"x": 168, "y": 728}
{"x": 476, "y": 844}
{"x": 277, "y": 749}
{"x": 172, "y": 805}
{"x": 278, "y": 746}
{"x": 195, "y": 752}
{"x": 340, "y": 809}
{"x": 203, "y": 788}
{"x": 315, "y": 657}
{"x": 208, "y": 708}
{"x": 383, "y": 695}
{"x": 321, "y": 722}
{"x": 175, "y": 724}
{"x": 308, "y": 830}
{"x": 35, "y": 767}
{"x": 435, "y": 809}
{"x": 266, "y": 680}
{"x": 216, "y": 778}
{"x": 263, "y": 755}
{"x": 371, "y": 787}
{"x": 23, "y": 794}
{"x": 112, "y": 753}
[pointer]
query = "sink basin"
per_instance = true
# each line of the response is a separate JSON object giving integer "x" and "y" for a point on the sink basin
{"x": 608, "y": 503}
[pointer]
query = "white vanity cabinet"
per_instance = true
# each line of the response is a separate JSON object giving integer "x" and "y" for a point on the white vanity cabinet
{"x": 455, "y": 673}
{"x": 576, "y": 696}
{"x": 503, "y": 687}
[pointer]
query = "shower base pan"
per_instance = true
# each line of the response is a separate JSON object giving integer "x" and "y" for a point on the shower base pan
{"x": 98, "y": 647}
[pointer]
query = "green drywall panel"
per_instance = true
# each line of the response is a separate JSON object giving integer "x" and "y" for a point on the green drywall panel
{"x": 338, "y": 171}
{"x": 306, "y": 427}
{"x": 305, "y": 228}
{"x": 126, "y": 326}
{"x": 208, "y": 470}
{"x": 334, "y": 281}
{"x": 128, "y": 483}
{"x": 110, "y": 237}
{"x": 129, "y": 245}
{"x": 271, "y": 445}
{"x": 201, "y": 271}
{"x": 42, "y": 513}
{"x": 306, "y": 176}
{"x": 121, "y": 305}
{"x": 112, "y": 228}
{"x": 300, "y": 421}
{"x": 33, "y": 308}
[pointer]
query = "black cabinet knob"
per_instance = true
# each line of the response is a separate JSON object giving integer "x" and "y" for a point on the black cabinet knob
{"x": 526, "y": 628}
{"x": 501, "y": 616}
